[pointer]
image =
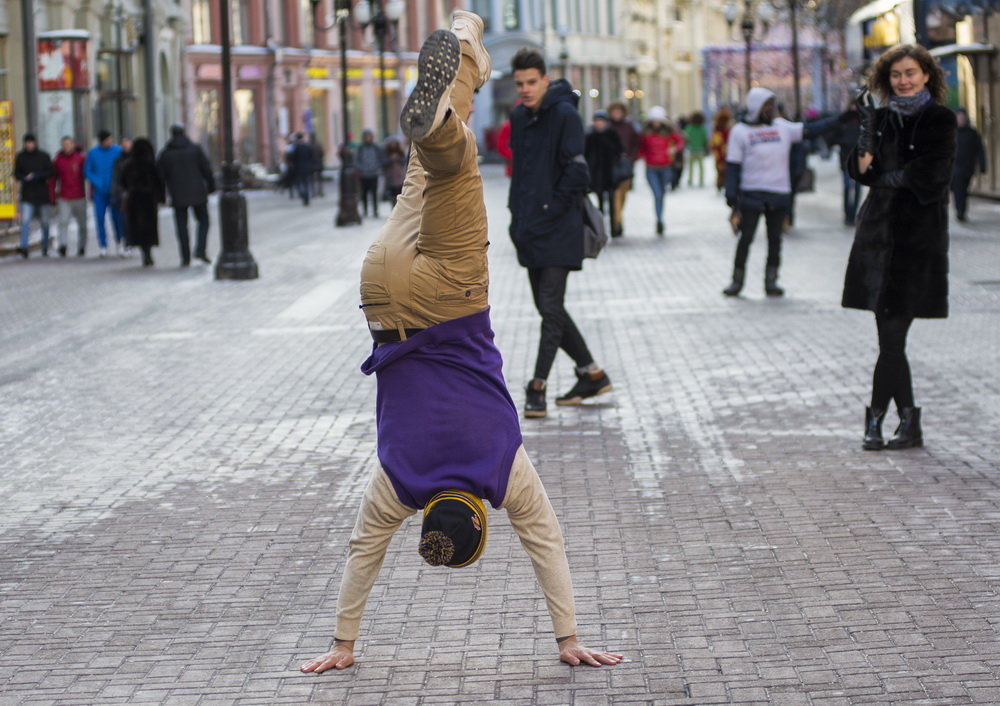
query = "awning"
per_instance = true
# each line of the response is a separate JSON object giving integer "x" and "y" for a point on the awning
{"x": 952, "y": 49}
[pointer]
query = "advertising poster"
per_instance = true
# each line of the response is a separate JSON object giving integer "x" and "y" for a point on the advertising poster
{"x": 8, "y": 197}
{"x": 62, "y": 63}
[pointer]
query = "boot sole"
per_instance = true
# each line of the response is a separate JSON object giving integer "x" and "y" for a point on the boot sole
{"x": 907, "y": 445}
{"x": 570, "y": 401}
{"x": 437, "y": 65}
{"x": 872, "y": 447}
{"x": 535, "y": 415}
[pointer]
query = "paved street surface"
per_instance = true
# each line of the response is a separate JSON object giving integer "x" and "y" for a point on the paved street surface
{"x": 181, "y": 461}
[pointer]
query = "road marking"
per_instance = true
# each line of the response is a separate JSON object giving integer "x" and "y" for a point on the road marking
{"x": 317, "y": 300}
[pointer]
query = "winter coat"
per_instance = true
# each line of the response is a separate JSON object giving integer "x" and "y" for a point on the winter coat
{"x": 969, "y": 152}
{"x": 660, "y": 150}
{"x": 503, "y": 148}
{"x": 38, "y": 164}
{"x": 185, "y": 171}
{"x": 100, "y": 166}
{"x": 899, "y": 261}
{"x": 548, "y": 178}
{"x": 602, "y": 149}
{"x": 696, "y": 137}
{"x": 629, "y": 137}
{"x": 301, "y": 161}
{"x": 68, "y": 169}
{"x": 394, "y": 171}
{"x": 368, "y": 159}
{"x": 117, "y": 192}
{"x": 143, "y": 192}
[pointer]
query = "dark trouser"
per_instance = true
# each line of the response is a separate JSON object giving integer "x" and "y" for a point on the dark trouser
{"x": 369, "y": 186}
{"x": 774, "y": 208}
{"x": 548, "y": 288}
{"x": 892, "y": 380}
{"x": 852, "y": 195}
{"x": 302, "y": 186}
{"x": 960, "y": 188}
{"x": 183, "y": 239}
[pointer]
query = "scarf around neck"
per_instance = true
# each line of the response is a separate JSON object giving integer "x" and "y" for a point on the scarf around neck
{"x": 908, "y": 106}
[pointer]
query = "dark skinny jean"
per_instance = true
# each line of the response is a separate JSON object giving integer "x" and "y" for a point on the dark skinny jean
{"x": 774, "y": 208}
{"x": 548, "y": 288}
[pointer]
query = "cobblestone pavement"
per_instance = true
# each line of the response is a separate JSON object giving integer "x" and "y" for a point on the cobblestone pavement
{"x": 181, "y": 461}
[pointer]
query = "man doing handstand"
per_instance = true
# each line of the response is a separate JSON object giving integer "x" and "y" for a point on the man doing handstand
{"x": 448, "y": 430}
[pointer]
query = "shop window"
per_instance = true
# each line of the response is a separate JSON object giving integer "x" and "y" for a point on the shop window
{"x": 207, "y": 124}
{"x": 116, "y": 96}
{"x": 245, "y": 110}
{"x": 201, "y": 22}
{"x": 3, "y": 69}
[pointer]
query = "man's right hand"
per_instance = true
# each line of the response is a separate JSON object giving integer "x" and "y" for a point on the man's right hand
{"x": 340, "y": 657}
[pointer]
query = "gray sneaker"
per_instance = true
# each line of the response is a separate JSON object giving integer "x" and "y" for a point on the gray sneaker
{"x": 469, "y": 27}
{"x": 428, "y": 104}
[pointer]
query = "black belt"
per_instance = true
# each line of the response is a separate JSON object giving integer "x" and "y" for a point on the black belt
{"x": 391, "y": 335}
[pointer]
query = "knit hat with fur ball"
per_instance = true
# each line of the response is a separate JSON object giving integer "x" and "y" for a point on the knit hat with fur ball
{"x": 454, "y": 529}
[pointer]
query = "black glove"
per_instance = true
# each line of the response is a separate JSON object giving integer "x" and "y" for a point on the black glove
{"x": 892, "y": 180}
{"x": 866, "y": 114}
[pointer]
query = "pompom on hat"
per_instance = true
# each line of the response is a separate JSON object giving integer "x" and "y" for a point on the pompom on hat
{"x": 657, "y": 113}
{"x": 454, "y": 529}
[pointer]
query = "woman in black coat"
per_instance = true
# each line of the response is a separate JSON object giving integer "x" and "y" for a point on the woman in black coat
{"x": 602, "y": 148}
{"x": 898, "y": 267}
{"x": 143, "y": 193}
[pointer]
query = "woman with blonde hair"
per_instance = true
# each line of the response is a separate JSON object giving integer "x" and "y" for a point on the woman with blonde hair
{"x": 898, "y": 266}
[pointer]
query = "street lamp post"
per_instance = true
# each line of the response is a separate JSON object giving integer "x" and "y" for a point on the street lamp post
{"x": 793, "y": 6}
{"x": 381, "y": 17}
{"x": 748, "y": 26}
{"x": 235, "y": 260}
{"x": 347, "y": 209}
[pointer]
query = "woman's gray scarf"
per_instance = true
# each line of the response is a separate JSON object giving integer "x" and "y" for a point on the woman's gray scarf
{"x": 908, "y": 106}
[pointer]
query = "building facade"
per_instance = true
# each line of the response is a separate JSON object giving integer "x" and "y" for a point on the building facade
{"x": 93, "y": 65}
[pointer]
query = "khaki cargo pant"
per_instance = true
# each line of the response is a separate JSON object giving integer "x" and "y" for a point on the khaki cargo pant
{"x": 428, "y": 264}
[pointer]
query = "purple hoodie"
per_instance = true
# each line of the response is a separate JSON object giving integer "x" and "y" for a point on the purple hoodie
{"x": 445, "y": 418}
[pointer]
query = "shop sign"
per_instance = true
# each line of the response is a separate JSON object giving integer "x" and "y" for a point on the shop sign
{"x": 881, "y": 32}
{"x": 8, "y": 201}
{"x": 318, "y": 72}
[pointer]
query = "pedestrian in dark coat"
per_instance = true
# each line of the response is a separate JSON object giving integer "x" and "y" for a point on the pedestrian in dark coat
{"x": 394, "y": 170}
{"x": 548, "y": 183}
{"x": 548, "y": 176}
{"x": 969, "y": 155}
{"x": 142, "y": 193}
{"x": 629, "y": 136}
{"x": 603, "y": 148}
{"x": 33, "y": 168}
{"x": 369, "y": 160}
{"x": 186, "y": 173}
{"x": 846, "y": 138}
{"x": 301, "y": 161}
{"x": 898, "y": 267}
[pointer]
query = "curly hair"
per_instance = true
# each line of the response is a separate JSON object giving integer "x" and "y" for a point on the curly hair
{"x": 878, "y": 76}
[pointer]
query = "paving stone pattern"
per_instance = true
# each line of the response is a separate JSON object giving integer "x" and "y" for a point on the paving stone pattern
{"x": 182, "y": 459}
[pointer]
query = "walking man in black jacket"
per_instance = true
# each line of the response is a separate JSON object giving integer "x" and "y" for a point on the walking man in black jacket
{"x": 549, "y": 178}
{"x": 187, "y": 175}
{"x": 33, "y": 167}
{"x": 969, "y": 156}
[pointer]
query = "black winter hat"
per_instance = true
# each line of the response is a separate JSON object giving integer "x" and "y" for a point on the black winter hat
{"x": 454, "y": 530}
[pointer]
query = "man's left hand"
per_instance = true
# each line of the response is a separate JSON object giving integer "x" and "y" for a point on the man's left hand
{"x": 573, "y": 653}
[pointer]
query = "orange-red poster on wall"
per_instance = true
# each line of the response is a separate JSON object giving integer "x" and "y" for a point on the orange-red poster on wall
{"x": 62, "y": 63}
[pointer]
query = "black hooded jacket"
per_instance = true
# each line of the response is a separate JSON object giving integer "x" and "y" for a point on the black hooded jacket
{"x": 549, "y": 176}
{"x": 186, "y": 172}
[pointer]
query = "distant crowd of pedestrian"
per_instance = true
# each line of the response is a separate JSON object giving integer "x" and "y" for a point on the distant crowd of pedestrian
{"x": 127, "y": 184}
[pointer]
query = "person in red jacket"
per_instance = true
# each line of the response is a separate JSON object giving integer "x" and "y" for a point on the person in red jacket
{"x": 503, "y": 148}
{"x": 659, "y": 147}
{"x": 71, "y": 195}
